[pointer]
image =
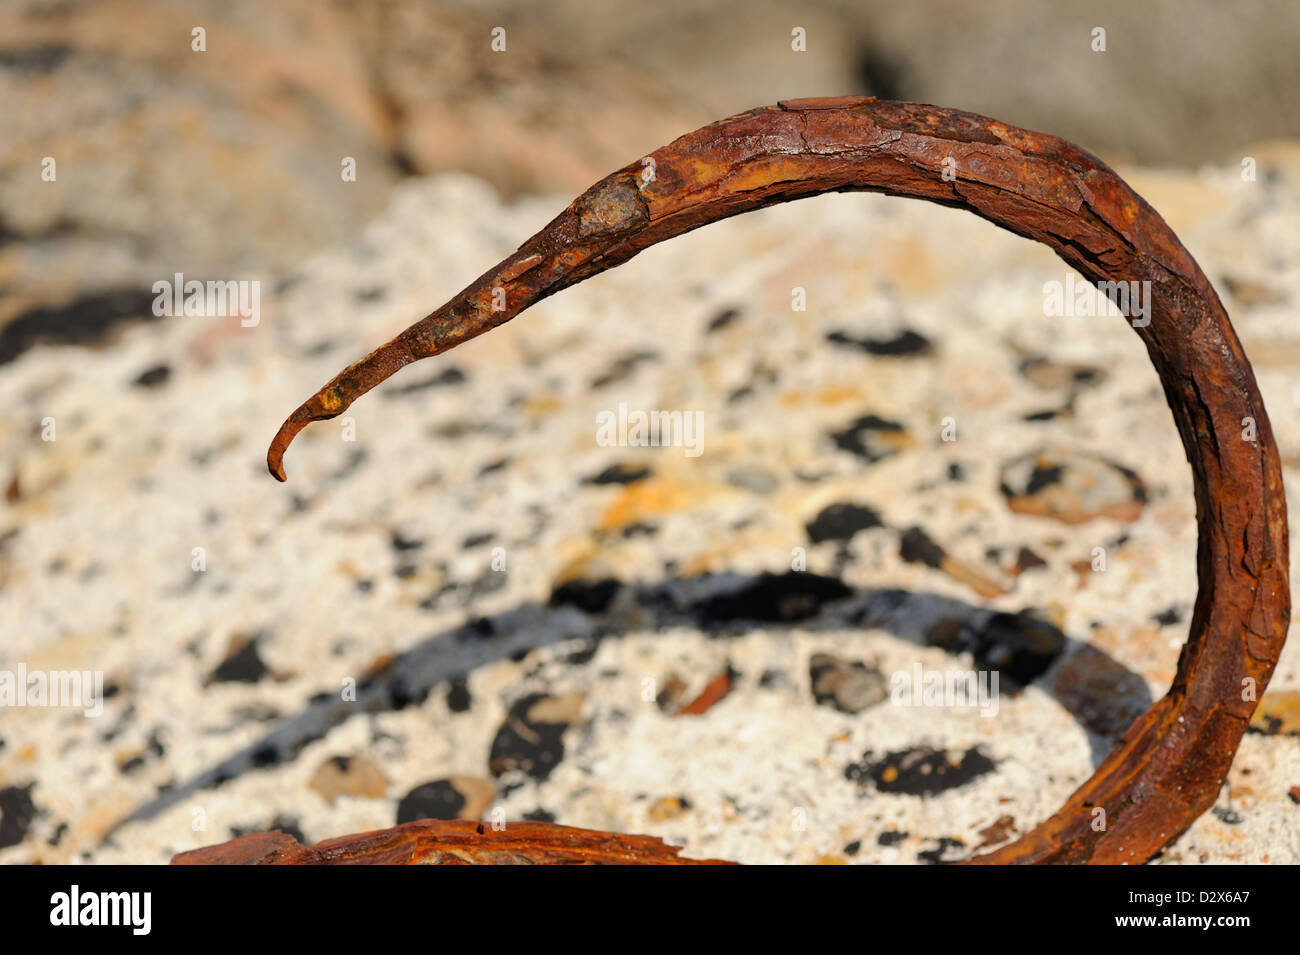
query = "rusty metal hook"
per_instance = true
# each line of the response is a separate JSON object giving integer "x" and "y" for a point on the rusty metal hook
{"x": 1170, "y": 764}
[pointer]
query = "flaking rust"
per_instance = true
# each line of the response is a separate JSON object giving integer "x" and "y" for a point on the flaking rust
{"x": 455, "y": 842}
{"x": 1169, "y": 766}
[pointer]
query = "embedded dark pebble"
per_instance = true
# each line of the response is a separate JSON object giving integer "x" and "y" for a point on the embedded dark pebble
{"x": 774, "y": 598}
{"x": 860, "y": 438}
{"x": 401, "y": 542}
{"x": 956, "y": 472}
{"x": 444, "y": 378}
{"x": 1229, "y": 816}
{"x": 849, "y": 686}
{"x": 669, "y": 699}
{"x": 127, "y": 718}
{"x": 1020, "y": 646}
{"x": 38, "y": 58}
{"x": 623, "y": 367}
{"x": 1169, "y": 617}
{"x": 589, "y": 596}
{"x": 1267, "y": 724}
{"x": 268, "y": 755}
{"x": 458, "y": 695}
{"x": 1072, "y": 487}
{"x": 154, "y": 747}
{"x": 1043, "y": 476}
{"x": 16, "y": 814}
{"x": 243, "y": 664}
{"x": 916, "y": 547}
{"x": 773, "y": 678}
{"x": 488, "y": 582}
{"x": 619, "y": 474}
{"x": 434, "y": 599}
{"x": 582, "y": 656}
{"x": 920, "y": 771}
{"x": 853, "y": 848}
{"x": 891, "y": 838}
{"x": 1026, "y": 559}
{"x": 539, "y": 815}
{"x": 906, "y": 344}
{"x": 723, "y": 319}
{"x": 493, "y": 466}
{"x": 153, "y": 376}
{"x": 533, "y": 747}
{"x": 401, "y": 694}
{"x": 1049, "y": 375}
{"x": 375, "y": 294}
{"x": 936, "y": 855}
{"x": 640, "y": 529}
{"x": 1045, "y": 415}
{"x": 841, "y": 521}
{"x": 436, "y": 800}
{"x": 220, "y": 777}
{"x": 84, "y": 321}
{"x": 478, "y": 540}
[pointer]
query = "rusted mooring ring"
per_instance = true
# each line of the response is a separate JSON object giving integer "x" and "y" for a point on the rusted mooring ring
{"x": 1169, "y": 766}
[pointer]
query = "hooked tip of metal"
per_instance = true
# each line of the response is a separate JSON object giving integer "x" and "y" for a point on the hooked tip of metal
{"x": 275, "y": 453}
{"x": 283, "y": 438}
{"x": 322, "y": 406}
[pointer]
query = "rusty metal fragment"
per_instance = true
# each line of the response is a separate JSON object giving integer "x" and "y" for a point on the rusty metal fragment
{"x": 1168, "y": 767}
{"x": 438, "y": 842}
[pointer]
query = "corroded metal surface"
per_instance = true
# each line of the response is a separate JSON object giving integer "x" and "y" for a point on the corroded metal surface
{"x": 457, "y": 842}
{"x": 1169, "y": 766}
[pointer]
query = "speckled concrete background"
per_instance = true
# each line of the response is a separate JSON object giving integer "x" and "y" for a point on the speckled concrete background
{"x": 462, "y": 603}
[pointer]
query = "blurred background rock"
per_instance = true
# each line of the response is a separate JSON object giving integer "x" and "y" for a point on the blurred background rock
{"x": 226, "y": 163}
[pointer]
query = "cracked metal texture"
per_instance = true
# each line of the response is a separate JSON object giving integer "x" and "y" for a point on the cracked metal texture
{"x": 1169, "y": 766}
